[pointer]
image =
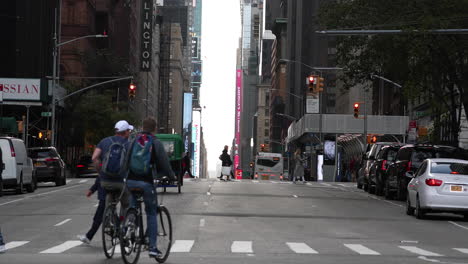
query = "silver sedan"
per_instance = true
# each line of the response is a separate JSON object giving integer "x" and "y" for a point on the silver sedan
{"x": 439, "y": 185}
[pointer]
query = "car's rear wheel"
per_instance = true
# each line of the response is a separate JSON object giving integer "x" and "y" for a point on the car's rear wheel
{"x": 20, "y": 186}
{"x": 409, "y": 209}
{"x": 33, "y": 185}
{"x": 419, "y": 212}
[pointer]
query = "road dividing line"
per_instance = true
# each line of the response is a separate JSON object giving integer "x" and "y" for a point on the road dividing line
{"x": 40, "y": 194}
{"x": 342, "y": 185}
{"x": 118, "y": 249}
{"x": 14, "y": 244}
{"x": 295, "y": 196}
{"x": 301, "y": 248}
{"x": 63, "y": 222}
{"x": 182, "y": 246}
{"x": 241, "y": 247}
{"x": 62, "y": 247}
{"x": 68, "y": 181}
{"x": 208, "y": 193}
{"x": 255, "y": 181}
{"x": 202, "y": 222}
{"x": 325, "y": 184}
{"x": 420, "y": 252}
{"x": 453, "y": 223}
{"x": 362, "y": 250}
{"x": 462, "y": 250}
{"x": 82, "y": 181}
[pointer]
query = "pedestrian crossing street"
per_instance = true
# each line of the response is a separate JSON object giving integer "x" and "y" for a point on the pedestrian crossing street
{"x": 251, "y": 247}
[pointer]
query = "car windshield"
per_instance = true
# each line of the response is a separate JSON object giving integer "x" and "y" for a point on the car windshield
{"x": 449, "y": 168}
{"x": 418, "y": 156}
{"x": 267, "y": 162}
{"x": 41, "y": 153}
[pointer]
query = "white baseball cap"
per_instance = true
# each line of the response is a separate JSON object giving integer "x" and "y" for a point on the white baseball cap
{"x": 122, "y": 126}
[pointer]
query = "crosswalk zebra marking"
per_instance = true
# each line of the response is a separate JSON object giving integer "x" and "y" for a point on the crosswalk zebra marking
{"x": 182, "y": 246}
{"x": 420, "y": 252}
{"x": 362, "y": 250}
{"x": 462, "y": 250}
{"x": 62, "y": 247}
{"x": 241, "y": 247}
{"x": 14, "y": 244}
{"x": 301, "y": 248}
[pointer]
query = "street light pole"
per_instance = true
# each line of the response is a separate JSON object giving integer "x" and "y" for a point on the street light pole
{"x": 54, "y": 73}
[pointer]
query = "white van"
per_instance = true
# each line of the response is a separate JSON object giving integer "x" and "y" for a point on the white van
{"x": 18, "y": 170}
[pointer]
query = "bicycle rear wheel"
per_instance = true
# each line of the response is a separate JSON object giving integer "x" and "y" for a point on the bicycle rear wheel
{"x": 164, "y": 239}
{"x": 109, "y": 231}
{"x": 131, "y": 237}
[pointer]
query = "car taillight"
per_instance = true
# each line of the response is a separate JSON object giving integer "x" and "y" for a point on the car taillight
{"x": 384, "y": 163}
{"x": 434, "y": 182}
{"x": 51, "y": 159}
{"x": 454, "y": 172}
{"x": 408, "y": 166}
{"x": 12, "y": 150}
{"x": 80, "y": 166}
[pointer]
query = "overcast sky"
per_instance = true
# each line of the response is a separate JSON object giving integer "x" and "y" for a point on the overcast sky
{"x": 220, "y": 37}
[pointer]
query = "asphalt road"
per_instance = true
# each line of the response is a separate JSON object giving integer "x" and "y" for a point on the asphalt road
{"x": 241, "y": 222}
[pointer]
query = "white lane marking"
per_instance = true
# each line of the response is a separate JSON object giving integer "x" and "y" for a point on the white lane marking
{"x": 461, "y": 226}
{"x": 241, "y": 247}
{"x": 409, "y": 241}
{"x": 96, "y": 205}
{"x": 390, "y": 202}
{"x": 420, "y": 252}
{"x": 295, "y": 196}
{"x": 182, "y": 246}
{"x": 40, "y": 194}
{"x": 82, "y": 181}
{"x": 62, "y": 247}
{"x": 118, "y": 250}
{"x": 14, "y": 244}
{"x": 208, "y": 193}
{"x": 362, "y": 250}
{"x": 462, "y": 250}
{"x": 202, "y": 222}
{"x": 68, "y": 181}
{"x": 301, "y": 248}
{"x": 325, "y": 184}
{"x": 340, "y": 184}
{"x": 255, "y": 181}
{"x": 63, "y": 222}
{"x": 432, "y": 260}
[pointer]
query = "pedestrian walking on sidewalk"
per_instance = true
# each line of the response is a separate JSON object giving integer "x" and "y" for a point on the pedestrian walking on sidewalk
{"x": 299, "y": 167}
{"x": 99, "y": 214}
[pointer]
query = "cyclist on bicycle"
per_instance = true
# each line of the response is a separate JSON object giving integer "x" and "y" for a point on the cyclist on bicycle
{"x": 147, "y": 159}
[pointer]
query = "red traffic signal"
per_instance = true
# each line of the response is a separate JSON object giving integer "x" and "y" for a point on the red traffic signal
{"x": 131, "y": 91}
{"x": 356, "y": 110}
{"x": 132, "y": 87}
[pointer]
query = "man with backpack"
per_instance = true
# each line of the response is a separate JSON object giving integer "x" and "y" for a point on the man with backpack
{"x": 148, "y": 159}
{"x": 109, "y": 157}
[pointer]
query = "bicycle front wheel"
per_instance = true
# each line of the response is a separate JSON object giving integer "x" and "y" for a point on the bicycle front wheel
{"x": 131, "y": 237}
{"x": 109, "y": 231}
{"x": 164, "y": 238}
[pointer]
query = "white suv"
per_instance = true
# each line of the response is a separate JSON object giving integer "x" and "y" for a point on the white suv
{"x": 18, "y": 172}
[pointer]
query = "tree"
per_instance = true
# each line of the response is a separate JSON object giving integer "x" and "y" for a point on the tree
{"x": 433, "y": 66}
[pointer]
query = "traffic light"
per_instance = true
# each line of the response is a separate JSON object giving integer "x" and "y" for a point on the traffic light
{"x": 262, "y": 147}
{"x": 40, "y": 135}
{"x": 319, "y": 84}
{"x": 311, "y": 80}
{"x": 356, "y": 110}
{"x": 131, "y": 91}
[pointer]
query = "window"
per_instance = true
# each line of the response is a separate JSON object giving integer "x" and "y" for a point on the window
{"x": 449, "y": 168}
{"x": 267, "y": 132}
{"x": 404, "y": 154}
{"x": 421, "y": 170}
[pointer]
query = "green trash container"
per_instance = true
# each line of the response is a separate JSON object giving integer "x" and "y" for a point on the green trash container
{"x": 246, "y": 175}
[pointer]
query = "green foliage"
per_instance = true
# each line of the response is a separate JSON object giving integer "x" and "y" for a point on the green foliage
{"x": 426, "y": 64}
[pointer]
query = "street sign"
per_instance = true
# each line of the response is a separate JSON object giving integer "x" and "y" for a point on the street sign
{"x": 312, "y": 106}
{"x": 46, "y": 114}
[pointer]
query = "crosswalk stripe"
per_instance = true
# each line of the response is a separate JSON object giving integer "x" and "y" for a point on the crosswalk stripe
{"x": 62, "y": 247}
{"x": 182, "y": 246}
{"x": 420, "y": 252}
{"x": 462, "y": 250}
{"x": 14, "y": 244}
{"x": 118, "y": 250}
{"x": 362, "y": 250}
{"x": 241, "y": 247}
{"x": 301, "y": 248}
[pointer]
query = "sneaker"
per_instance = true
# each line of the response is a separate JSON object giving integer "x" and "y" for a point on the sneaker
{"x": 83, "y": 239}
{"x": 155, "y": 253}
{"x": 2, "y": 248}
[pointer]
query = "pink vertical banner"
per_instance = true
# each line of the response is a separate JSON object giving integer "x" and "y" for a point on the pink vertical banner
{"x": 237, "y": 137}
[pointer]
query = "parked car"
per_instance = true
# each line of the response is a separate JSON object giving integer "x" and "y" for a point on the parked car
{"x": 369, "y": 160}
{"x": 439, "y": 185}
{"x": 85, "y": 167}
{"x": 49, "y": 165}
{"x": 409, "y": 158}
{"x": 18, "y": 170}
{"x": 378, "y": 170}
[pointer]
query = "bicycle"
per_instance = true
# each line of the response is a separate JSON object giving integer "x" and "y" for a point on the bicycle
{"x": 111, "y": 227}
{"x": 132, "y": 238}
